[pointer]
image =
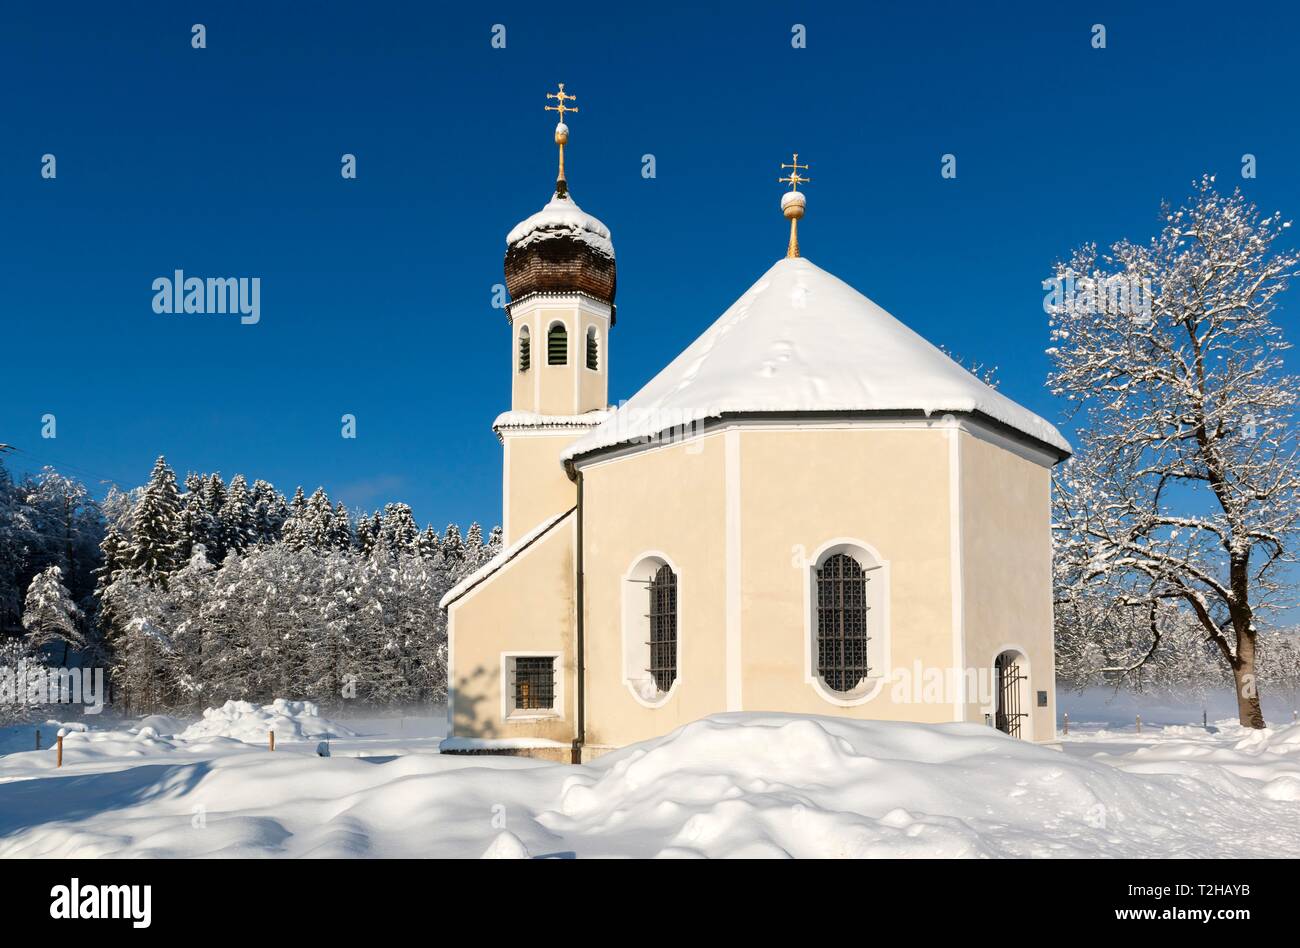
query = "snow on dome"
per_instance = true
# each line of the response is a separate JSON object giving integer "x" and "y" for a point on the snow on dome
{"x": 793, "y": 197}
{"x": 802, "y": 340}
{"x": 562, "y": 218}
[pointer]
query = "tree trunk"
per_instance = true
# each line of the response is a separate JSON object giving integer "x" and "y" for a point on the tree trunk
{"x": 1243, "y": 674}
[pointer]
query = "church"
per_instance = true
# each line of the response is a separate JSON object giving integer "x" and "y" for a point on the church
{"x": 810, "y": 510}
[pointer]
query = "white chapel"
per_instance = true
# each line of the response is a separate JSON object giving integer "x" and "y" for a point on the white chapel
{"x": 811, "y": 509}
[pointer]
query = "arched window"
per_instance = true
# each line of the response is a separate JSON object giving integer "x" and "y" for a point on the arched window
{"x": 652, "y": 669}
{"x": 663, "y": 627}
{"x": 841, "y": 623}
{"x": 557, "y": 345}
{"x": 593, "y": 349}
{"x": 525, "y": 349}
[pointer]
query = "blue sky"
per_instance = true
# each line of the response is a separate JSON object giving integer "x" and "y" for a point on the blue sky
{"x": 376, "y": 292}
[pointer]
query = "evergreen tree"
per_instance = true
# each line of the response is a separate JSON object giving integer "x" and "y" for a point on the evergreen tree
{"x": 453, "y": 547}
{"x": 156, "y": 538}
{"x": 429, "y": 543}
{"x": 269, "y": 512}
{"x": 295, "y": 533}
{"x": 398, "y": 529}
{"x": 341, "y": 529}
{"x": 237, "y": 521}
{"x": 214, "y": 500}
{"x": 50, "y": 615}
{"x": 365, "y": 534}
{"x": 318, "y": 521}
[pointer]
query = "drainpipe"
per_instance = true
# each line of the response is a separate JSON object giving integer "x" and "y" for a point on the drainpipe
{"x": 580, "y": 653}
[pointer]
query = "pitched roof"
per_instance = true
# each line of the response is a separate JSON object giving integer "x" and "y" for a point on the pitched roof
{"x": 802, "y": 340}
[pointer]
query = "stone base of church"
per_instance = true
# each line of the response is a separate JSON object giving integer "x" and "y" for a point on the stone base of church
{"x": 556, "y": 753}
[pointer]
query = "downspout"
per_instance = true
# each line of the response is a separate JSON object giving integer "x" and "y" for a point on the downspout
{"x": 580, "y": 653}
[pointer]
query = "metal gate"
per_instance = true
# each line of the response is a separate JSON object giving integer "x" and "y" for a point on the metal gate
{"x": 1009, "y": 675}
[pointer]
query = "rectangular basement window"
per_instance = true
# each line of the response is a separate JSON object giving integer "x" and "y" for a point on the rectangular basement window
{"x": 531, "y": 689}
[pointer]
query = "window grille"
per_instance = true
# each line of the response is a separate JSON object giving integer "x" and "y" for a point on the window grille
{"x": 842, "y": 623}
{"x": 557, "y": 346}
{"x": 534, "y": 683}
{"x": 1009, "y": 716}
{"x": 663, "y": 627}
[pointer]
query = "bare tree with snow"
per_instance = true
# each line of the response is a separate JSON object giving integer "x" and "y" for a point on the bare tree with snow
{"x": 1185, "y": 491}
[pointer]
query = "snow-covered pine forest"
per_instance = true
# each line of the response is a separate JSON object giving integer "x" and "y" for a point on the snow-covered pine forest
{"x": 190, "y": 594}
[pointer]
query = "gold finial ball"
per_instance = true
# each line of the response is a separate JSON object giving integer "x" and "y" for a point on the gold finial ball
{"x": 792, "y": 205}
{"x": 561, "y": 134}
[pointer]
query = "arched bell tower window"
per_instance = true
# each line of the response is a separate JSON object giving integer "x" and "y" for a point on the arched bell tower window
{"x": 593, "y": 349}
{"x": 557, "y": 345}
{"x": 525, "y": 349}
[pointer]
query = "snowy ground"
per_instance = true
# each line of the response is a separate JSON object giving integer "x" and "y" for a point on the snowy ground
{"x": 731, "y": 785}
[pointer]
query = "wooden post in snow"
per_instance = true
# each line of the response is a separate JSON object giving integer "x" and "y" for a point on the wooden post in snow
{"x": 59, "y": 762}
{"x": 38, "y": 738}
{"x": 271, "y": 735}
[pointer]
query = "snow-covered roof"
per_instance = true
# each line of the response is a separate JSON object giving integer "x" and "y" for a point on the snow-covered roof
{"x": 562, "y": 218}
{"x": 802, "y": 340}
{"x": 501, "y": 559}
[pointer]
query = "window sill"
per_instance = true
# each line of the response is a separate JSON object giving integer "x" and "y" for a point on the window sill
{"x": 849, "y": 699}
{"x": 528, "y": 717}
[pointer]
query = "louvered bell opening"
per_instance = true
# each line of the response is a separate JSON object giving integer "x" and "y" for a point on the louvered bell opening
{"x": 593, "y": 351}
{"x": 525, "y": 351}
{"x": 557, "y": 346}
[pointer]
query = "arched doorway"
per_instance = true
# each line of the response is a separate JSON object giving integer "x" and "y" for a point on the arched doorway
{"x": 1012, "y": 684}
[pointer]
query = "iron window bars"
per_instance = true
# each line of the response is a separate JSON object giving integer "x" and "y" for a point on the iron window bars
{"x": 1009, "y": 716}
{"x": 534, "y": 683}
{"x": 663, "y": 627}
{"x": 842, "y": 623}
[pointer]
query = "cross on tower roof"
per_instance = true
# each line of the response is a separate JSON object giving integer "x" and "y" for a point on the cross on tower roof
{"x": 562, "y": 97}
{"x": 794, "y": 179}
{"x": 561, "y": 132}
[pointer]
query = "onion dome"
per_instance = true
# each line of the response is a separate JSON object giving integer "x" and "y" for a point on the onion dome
{"x": 560, "y": 249}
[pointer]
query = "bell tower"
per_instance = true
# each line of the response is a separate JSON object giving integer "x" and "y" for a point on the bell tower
{"x": 561, "y": 275}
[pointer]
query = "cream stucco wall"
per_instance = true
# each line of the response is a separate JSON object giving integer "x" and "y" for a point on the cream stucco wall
{"x": 741, "y": 513}
{"x": 803, "y": 489}
{"x": 535, "y": 487}
{"x": 1007, "y": 568}
{"x": 526, "y": 606}
{"x": 668, "y": 501}
{"x": 743, "y": 571}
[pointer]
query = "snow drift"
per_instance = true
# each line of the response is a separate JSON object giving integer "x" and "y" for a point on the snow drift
{"x": 730, "y": 785}
{"x": 244, "y": 721}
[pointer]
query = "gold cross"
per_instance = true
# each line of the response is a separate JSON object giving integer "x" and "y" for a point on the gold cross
{"x": 794, "y": 178}
{"x": 563, "y": 97}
